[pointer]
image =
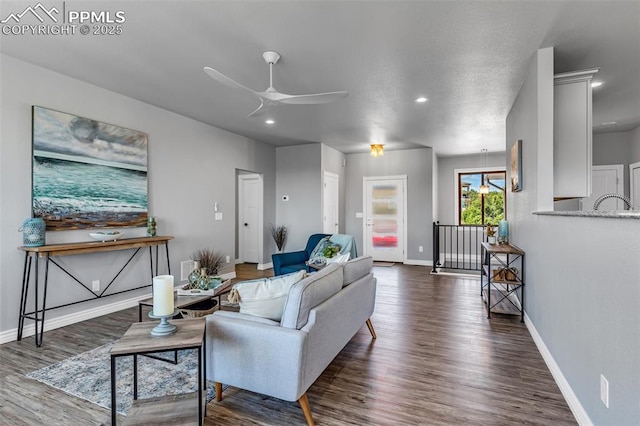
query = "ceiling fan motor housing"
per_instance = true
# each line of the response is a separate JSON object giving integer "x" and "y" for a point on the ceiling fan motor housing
{"x": 271, "y": 57}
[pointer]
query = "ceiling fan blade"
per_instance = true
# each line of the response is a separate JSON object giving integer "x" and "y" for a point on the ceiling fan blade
{"x": 316, "y": 98}
{"x": 261, "y": 110}
{"x": 221, "y": 78}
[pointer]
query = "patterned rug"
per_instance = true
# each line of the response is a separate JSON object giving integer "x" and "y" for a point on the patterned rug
{"x": 88, "y": 376}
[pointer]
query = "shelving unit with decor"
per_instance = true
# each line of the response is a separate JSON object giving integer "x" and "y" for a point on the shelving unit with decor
{"x": 502, "y": 279}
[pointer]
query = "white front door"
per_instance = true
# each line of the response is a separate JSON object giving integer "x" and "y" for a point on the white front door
{"x": 250, "y": 220}
{"x": 330, "y": 201}
{"x": 385, "y": 218}
{"x": 634, "y": 189}
{"x": 605, "y": 180}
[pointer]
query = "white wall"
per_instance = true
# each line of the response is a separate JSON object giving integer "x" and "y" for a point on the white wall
{"x": 447, "y": 181}
{"x": 191, "y": 165}
{"x": 417, "y": 165}
{"x": 582, "y": 276}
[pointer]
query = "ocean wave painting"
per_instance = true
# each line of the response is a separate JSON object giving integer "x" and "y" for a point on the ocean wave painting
{"x": 87, "y": 174}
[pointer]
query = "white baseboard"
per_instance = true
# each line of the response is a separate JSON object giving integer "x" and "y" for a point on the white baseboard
{"x": 64, "y": 320}
{"x": 572, "y": 400}
{"x": 263, "y": 266}
{"x": 418, "y": 262}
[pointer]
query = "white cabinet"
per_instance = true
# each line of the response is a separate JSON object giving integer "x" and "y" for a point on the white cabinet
{"x": 572, "y": 134}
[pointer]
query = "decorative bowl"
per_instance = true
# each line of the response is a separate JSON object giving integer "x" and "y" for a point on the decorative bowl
{"x": 106, "y": 236}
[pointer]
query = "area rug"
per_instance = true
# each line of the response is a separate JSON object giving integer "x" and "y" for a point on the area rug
{"x": 88, "y": 376}
{"x": 384, "y": 264}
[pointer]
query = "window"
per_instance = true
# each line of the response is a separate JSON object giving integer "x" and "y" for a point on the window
{"x": 475, "y": 208}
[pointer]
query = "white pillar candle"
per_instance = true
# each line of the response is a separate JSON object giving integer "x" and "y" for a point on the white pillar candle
{"x": 163, "y": 295}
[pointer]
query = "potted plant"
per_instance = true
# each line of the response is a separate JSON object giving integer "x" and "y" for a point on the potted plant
{"x": 491, "y": 234}
{"x": 279, "y": 234}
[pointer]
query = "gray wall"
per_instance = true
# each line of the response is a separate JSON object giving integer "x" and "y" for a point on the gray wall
{"x": 191, "y": 166}
{"x": 447, "y": 184}
{"x": 417, "y": 165}
{"x": 299, "y": 175}
{"x": 582, "y": 292}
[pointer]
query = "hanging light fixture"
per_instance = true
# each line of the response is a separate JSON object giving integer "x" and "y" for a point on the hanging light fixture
{"x": 484, "y": 188}
{"x": 377, "y": 150}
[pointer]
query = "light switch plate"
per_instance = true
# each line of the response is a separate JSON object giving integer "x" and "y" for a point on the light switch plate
{"x": 218, "y": 216}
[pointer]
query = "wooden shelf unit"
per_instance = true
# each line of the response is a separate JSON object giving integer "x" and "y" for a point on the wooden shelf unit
{"x": 502, "y": 296}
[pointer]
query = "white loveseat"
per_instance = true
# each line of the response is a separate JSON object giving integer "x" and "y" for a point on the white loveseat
{"x": 283, "y": 359}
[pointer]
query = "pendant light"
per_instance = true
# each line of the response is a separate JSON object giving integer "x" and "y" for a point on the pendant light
{"x": 484, "y": 188}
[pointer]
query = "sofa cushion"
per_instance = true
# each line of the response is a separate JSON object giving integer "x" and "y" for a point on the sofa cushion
{"x": 308, "y": 293}
{"x": 356, "y": 268}
{"x": 265, "y": 297}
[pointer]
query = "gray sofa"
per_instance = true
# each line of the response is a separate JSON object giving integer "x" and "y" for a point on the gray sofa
{"x": 283, "y": 359}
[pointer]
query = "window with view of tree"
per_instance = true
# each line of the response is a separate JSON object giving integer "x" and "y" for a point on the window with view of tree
{"x": 481, "y": 209}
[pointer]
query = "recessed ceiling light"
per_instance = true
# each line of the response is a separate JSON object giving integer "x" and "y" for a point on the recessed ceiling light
{"x": 421, "y": 99}
{"x": 596, "y": 84}
{"x": 270, "y": 121}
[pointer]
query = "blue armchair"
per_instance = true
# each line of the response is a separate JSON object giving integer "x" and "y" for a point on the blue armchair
{"x": 285, "y": 263}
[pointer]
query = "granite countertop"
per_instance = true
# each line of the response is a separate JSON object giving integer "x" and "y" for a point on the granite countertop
{"x": 616, "y": 214}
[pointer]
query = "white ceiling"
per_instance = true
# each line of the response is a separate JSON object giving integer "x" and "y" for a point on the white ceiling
{"x": 468, "y": 57}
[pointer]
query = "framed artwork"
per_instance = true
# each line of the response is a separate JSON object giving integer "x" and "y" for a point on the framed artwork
{"x": 516, "y": 166}
{"x": 87, "y": 174}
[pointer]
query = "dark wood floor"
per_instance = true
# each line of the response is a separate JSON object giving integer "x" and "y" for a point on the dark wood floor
{"x": 437, "y": 361}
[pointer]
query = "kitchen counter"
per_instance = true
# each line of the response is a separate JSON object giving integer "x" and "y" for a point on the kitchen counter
{"x": 615, "y": 214}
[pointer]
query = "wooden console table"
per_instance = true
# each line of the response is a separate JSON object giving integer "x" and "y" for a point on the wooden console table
{"x": 47, "y": 252}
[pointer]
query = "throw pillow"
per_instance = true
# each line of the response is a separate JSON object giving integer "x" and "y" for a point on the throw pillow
{"x": 265, "y": 297}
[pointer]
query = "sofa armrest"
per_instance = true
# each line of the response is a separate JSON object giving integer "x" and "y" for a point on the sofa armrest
{"x": 284, "y": 259}
{"x": 256, "y": 356}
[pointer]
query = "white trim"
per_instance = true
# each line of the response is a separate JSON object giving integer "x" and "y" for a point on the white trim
{"x": 260, "y": 230}
{"x": 572, "y": 400}
{"x": 326, "y": 175}
{"x": 456, "y": 172}
{"x": 418, "y": 262}
{"x": 456, "y": 274}
{"x": 228, "y": 275}
{"x": 64, "y": 320}
{"x": 264, "y": 266}
{"x": 632, "y": 166}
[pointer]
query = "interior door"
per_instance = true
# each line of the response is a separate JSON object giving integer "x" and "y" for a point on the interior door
{"x": 605, "y": 180}
{"x": 250, "y": 217}
{"x": 384, "y": 221}
{"x": 330, "y": 200}
{"x": 634, "y": 189}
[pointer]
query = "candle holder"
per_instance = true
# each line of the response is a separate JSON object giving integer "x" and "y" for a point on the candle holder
{"x": 164, "y": 328}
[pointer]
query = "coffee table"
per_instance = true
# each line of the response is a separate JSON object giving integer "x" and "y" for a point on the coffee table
{"x": 181, "y": 409}
{"x": 180, "y": 302}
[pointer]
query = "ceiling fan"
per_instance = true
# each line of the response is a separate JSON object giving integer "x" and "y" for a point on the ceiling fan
{"x": 271, "y": 97}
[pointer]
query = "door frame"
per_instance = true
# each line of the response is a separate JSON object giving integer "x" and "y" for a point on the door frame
{"x": 324, "y": 201}
{"x": 241, "y": 180}
{"x": 403, "y": 178}
{"x": 619, "y": 168}
{"x": 632, "y": 167}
